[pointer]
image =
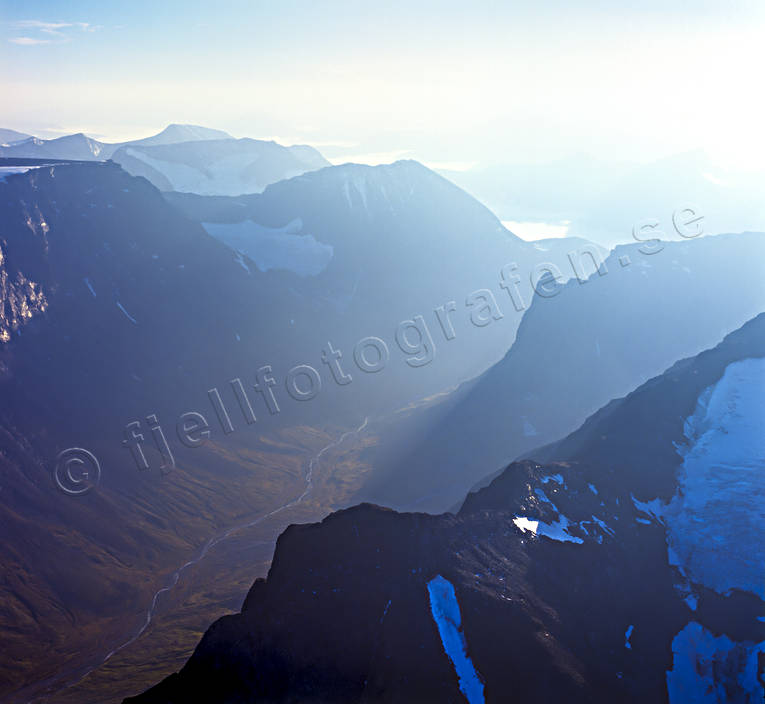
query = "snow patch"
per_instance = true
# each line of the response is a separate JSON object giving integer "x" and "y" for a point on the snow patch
{"x": 127, "y": 315}
{"x": 604, "y": 526}
{"x": 240, "y": 260}
{"x": 446, "y": 613}
{"x": 526, "y": 524}
{"x": 556, "y": 531}
{"x": 653, "y": 508}
{"x": 6, "y": 171}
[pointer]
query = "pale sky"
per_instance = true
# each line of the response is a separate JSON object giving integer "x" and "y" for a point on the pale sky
{"x": 449, "y": 83}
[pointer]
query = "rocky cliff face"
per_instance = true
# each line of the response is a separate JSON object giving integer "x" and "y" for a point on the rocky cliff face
{"x": 344, "y": 615}
{"x": 557, "y": 581}
{"x": 20, "y": 299}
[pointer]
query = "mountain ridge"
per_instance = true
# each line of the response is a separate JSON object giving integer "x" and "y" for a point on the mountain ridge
{"x": 539, "y": 618}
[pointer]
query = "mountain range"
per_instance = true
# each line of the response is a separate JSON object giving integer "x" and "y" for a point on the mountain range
{"x": 180, "y": 157}
{"x": 245, "y": 337}
{"x": 590, "y": 342}
{"x": 585, "y": 576}
{"x": 119, "y": 309}
{"x": 217, "y": 166}
{"x": 79, "y": 146}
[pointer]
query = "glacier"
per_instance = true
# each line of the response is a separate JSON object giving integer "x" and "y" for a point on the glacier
{"x": 274, "y": 247}
{"x": 716, "y": 520}
{"x": 713, "y": 670}
{"x": 715, "y": 525}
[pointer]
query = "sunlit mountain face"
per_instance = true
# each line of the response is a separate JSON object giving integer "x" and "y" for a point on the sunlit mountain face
{"x": 382, "y": 354}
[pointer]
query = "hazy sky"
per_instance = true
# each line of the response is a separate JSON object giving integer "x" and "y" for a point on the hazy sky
{"x": 443, "y": 82}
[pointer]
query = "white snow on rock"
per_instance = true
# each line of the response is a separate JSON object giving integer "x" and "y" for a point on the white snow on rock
{"x": 274, "y": 248}
{"x": 127, "y": 315}
{"x": 240, "y": 260}
{"x": 556, "y": 531}
{"x": 603, "y": 525}
{"x": 358, "y": 179}
{"x": 6, "y": 171}
{"x": 526, "y": 524}
{"x": 653, "y": 508}
{"x": 446, "y": 613}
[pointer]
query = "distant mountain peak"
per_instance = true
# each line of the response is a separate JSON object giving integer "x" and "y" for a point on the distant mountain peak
{"x": 177, "y": 132}
{"x": 361, "y": 185}
{"x": 8, "y": 136}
